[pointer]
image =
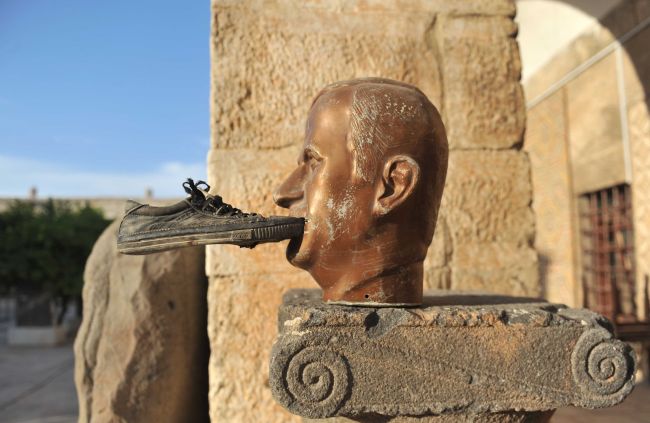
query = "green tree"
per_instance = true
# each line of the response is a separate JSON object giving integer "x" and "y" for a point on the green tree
{"x": 44, "y": 247}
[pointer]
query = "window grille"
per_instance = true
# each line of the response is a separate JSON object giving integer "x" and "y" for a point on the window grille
{"x": 608, "y": 253}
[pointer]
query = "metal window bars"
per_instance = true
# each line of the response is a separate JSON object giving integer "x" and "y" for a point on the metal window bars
{"x": 607, "y": 240}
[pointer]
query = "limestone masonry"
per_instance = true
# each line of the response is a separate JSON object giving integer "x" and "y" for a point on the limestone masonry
{"x": 269, "y": 58}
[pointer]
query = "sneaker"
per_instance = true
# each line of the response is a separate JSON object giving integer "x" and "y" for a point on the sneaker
{"x": 200, "y": 219}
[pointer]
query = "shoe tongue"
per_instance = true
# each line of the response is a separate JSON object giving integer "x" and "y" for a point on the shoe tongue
{"x": 204, "y": 193}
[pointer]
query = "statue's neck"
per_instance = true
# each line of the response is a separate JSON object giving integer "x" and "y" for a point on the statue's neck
{"x": 382, "y": 282}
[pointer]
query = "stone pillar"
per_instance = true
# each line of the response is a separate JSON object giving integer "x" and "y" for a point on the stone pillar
{"x": 141, "y": 352}
{"x": 637, "y": 86}
{"x": 639, "y": 116}
{"x": 269, "y": 59}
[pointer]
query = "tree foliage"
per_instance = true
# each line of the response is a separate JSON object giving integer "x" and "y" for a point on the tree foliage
{"x": 44, "y": 246}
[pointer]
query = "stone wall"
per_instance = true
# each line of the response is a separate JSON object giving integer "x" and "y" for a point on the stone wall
{"x": 546, "y": 134}
{"x": 269, "y": 58}
{"x": 637, "y": 86}
{"x": 576, "y": 141}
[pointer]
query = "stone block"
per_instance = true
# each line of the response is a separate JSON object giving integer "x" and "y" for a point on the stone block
{"x": 240, "y": 345}
{"x": 487, "y": 197}
{"x": 458, "y": 355}
{"x": 436, "y": 277}
{"x": 141, "y": 352}
{"x": 564, "y": 61}
{"x": 639, "y": 121}
{"x": 547, "y": 146}
{"x": 240, "y": 178}
{"x": 503, "y": 417}
{"x": 474, "y": 7}
{"x": 440, "y": 250}
{"x": 271, "y": 58}
{"x": 496, "y": 267}
{"x": 248, "y": 177}
{"x": 437, "y": 274}
{"x": 483, "y": 102}
{"x": 464, "y": 7}
{"x": 595, "y": 128}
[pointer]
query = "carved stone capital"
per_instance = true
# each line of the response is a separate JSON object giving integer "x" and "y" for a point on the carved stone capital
{"x": 455, "y": 355}
{"x": 314, "y": 380}
{"x": 603, "y": 368}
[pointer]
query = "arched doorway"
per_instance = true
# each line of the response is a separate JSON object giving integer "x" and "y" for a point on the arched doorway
{"x": 588, "y": 137}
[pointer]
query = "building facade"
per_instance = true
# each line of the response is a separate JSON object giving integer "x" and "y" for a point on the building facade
{"x": 588, "y": 138}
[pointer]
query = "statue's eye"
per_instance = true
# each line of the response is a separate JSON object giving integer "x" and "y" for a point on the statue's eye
{"x": 311, "y": 159}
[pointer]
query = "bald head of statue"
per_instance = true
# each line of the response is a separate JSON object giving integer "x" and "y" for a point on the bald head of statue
{"x": 369, "y": 181}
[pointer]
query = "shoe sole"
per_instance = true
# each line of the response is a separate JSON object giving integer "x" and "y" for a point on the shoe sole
{"x": 242, "y": 237}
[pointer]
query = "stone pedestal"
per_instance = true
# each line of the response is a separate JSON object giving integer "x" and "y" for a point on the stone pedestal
{"x": 458, "y": 356}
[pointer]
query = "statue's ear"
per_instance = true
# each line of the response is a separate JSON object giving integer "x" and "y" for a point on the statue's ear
{"x": 399, "y": 179}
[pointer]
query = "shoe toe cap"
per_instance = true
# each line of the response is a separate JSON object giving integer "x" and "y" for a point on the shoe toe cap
{"x": 287, "y": 220}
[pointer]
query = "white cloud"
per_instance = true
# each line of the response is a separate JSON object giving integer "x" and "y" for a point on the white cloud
{"x": 18, "y": 175}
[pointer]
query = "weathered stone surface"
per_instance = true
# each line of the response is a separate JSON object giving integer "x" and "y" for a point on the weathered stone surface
{"x": 486, "y": 226}
{"x": 597, "y": 156}
{"x": 487, "y": 197}
{"x": 483, "y": 100}
{"x": 547, "y": 146}
{"x": 273, "y": 57}
{"x": 141, "y": 352}
{"x": 637, "y": 85}
{"x": 437, "y": 271}
{"x": 239, "y": 386}
{"x": 238, "y": 177}
{"x": 269, "y": 58}
{"x": 582, "y": 48}
{"x": 504, "y": 417}
{"x": 241, "y": 281}
{"x": 639, "y": 119}
{"x": 497, "y": 267}
{"x": 488, "y": 354}
{"x": 464, "y": 7}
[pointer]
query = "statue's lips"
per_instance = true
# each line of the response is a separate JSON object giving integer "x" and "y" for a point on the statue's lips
{"x": 294, "y": 247}
{"x": 296, "y": 242}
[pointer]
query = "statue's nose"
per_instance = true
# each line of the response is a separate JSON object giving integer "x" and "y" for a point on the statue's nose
{"x": 288, "y": 192}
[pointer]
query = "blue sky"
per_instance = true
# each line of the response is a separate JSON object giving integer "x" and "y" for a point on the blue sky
{"x": 103, "y": 98}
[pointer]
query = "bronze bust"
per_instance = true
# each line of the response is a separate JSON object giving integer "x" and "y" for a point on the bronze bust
{"x": 369, "y": 181}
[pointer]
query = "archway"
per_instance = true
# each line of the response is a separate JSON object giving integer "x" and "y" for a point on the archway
{"x": 589, "y": 137}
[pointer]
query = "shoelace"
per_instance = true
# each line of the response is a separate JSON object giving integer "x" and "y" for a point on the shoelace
{"x": 199, "y": 197}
